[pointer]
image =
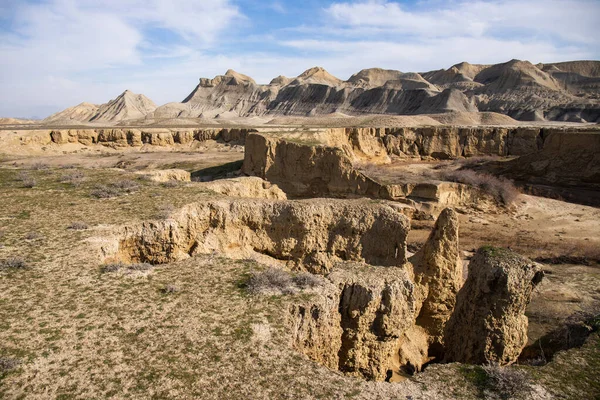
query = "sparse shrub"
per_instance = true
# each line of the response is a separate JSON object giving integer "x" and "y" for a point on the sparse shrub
{"x": 507, "y": 382}
{"x": 126, "y": 185}
{"x": 74, "y": 178}
{"x": 171, "y": 184}
{"x": 272, "y": 279}
{"x": 78, "y": 226}
{"x": 105, "y": 192}
{"x": 27, "y": 181}
{"x": 306, "y": 280}
{"x": 114, "y": 189}
{"x": 8, "y": 364}
{"x": 169, "y": 289}
{"x": 14, "y": 263}
{"x": 501, "y": 188}
{"x": 113, "y": 267}
{"x": 39, "y": 166}
{"x": 141, "y": 267}
{"x": 116, "y": 267}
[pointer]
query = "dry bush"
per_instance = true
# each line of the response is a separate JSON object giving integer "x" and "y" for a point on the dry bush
{"x": 27, "y": 180}
{"x": 501, "y": 188}
{"x": 126, "y": 185}
{"x": 507, "y": 382}
{"x": 306, "y": 280}
{"x": 140, "y": 267}
{"x": 13, "y": 263}
{"x": 8, "y": 364}
{"x": 171, "y": 184}
{"x": 74, "y": 178}
{"x": 115, "y": 189}
{"x": 272, "y": 279}
{"x": 39, "y": 166}
{"x": 105, "y": 192}
{"x": 78, "y": 226}
{"x": 276, "y": 280}
{"x": 116, "y": 267}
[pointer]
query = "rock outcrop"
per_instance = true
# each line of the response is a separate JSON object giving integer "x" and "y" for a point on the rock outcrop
{"x": 489, "y": 324}
{"x": 309, "y": 235}
{"x": 438, "y": 269}
{"x": 166, "y": 175}
{"x": 375, "y": 315}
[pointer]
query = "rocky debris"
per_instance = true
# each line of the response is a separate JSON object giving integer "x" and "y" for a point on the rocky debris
{"x": 307, "y": 235}
{"x": 438, "y": 269}
{"x": 250, "y": 187}
{"x": 488, "y": 325}
{"x": 166, "y": 175}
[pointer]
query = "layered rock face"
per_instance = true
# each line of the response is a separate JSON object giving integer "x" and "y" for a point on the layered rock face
{"x": 489, "y": 324}
{"x": 123, "y": 137}
{"x": 304, "y": 170}
{"x": 309, "y": 235}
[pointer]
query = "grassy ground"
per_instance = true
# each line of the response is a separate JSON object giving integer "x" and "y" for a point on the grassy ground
{"x": 183, "y": 330}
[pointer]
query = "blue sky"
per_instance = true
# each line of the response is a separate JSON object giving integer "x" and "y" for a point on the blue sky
{"x": 58, "y": 53}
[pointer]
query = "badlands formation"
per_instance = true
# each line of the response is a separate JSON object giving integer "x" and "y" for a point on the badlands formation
{"x": 395, "y": 235}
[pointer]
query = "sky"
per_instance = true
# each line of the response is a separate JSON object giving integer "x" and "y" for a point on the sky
{"x": 58, "y": 53}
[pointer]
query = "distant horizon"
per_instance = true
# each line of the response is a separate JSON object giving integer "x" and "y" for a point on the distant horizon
{"x": 59, "y": 53}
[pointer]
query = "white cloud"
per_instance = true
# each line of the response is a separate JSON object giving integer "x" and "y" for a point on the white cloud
{"x": 572, "y": 20}
{"x": 62, "y": 52}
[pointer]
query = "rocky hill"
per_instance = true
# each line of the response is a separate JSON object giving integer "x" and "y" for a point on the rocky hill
{"x": 127, "y": 105}
{"x": 567, "y": 91}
